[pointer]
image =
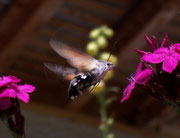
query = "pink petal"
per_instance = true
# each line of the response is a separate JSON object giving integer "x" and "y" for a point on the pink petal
{"x": 169, "y": 64}
{"x": 5, "y": 103}
{"x": 177, "y": 46}
{"x": 175, "y": 50}
{"x": 156, "y": 57}
{"x": 149, "y": 42}
{"x": 139, "y": 69}
{"x": 8, "y": 92}
{"x": 144, "y": 76}
{"x": 13, "y": 79}
{"x": 23, "y": 96}
{"x": 2, "y": 83}
{"x": 8, "y": 79}
{"x": 140, "y": 52}
{"x": 26, "y": 88}
{"x": 165, "y": 41}
{"x": 154, "y": 43}
{"x": 127, "y": 91}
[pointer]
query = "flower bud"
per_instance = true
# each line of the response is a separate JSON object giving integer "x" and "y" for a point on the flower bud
{"x": 113, "y": 59}
{"x": 102, "y": 42}
{"x": 110, "y": 136}
{"x": 108, "y": 75}
{"x": 110, "y": 121}
{"x": 104, "y": 56}
{"x": 108, "y": 32}
{"x": 94, "y": 33}
{"x": 92, "y": 48}
{"x": 102, "y": 127}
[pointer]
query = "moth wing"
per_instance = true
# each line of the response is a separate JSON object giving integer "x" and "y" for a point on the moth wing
{"x": 66, "y": 72}
{"x": 75, "y": 58}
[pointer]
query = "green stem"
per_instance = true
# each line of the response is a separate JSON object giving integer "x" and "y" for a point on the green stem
{"x": 104, "y": 127}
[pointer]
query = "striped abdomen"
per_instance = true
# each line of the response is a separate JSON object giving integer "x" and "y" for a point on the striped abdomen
{"x": 79, "y": 83}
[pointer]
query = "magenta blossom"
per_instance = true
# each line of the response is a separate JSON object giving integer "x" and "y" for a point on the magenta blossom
{"x": 169, "y": 56}
{"x": 164, "y": 85}
{"x": 8, "y": 79}
{"x": 177, "y": 47}
{"x": 5, "y": 103}
{"x": 10, "y": 92}
{"x": 10, "y": 88}
{"x": 141, "y": 77}
{"x": 19, "y": 91}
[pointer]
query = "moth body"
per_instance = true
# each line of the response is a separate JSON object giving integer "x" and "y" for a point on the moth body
{"x": 83, "y": 81}
{"x": 87, "y": 71}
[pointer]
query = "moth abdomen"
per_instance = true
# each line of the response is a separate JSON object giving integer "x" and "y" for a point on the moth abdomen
{"x": 78, "y": 84}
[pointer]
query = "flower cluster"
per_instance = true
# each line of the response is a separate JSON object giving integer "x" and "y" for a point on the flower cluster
{"x": 98, "y": 42}
{"x": 10, "y": 89}
{"x": 158, "y": 72}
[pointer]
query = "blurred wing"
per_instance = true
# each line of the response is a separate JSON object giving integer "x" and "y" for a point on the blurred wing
{"x": 79, "y": 60}
{"x": 66, "y": 72}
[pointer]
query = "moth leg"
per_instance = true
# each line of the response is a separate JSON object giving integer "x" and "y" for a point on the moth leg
{"x": 94, "y": 87}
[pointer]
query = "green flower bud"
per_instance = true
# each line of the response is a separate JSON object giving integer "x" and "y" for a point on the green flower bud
{"x": 94, "y": 33}
{"x": 102, "y": 42}
{"x": 102, "y": 127}
{"x": 92, "y": 48}
{"x": 110, "y": 121}
{"x": 108, "y": 75}
{"x": 108, "y": 32}
{"x": 104, "y": 56}
{"x": 113, "y": 59}
{"x": 110, "y": 136}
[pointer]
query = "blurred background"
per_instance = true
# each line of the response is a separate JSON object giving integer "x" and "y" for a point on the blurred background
{"x": 26, "y": 27}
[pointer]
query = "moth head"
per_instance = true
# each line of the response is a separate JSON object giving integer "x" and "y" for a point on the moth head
{"x": 109, "y": 65}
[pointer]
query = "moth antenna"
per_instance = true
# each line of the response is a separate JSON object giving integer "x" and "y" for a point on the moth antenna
{"x": 112, "y": 50}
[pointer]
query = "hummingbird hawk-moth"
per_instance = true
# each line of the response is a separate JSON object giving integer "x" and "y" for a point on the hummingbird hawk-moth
{"x": 87, "y": 70}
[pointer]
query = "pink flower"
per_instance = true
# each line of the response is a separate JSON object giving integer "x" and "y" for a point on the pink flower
{"x": 169, "y": 56}
{"x": 5, "y": 103}
{"x": 8, "y": 79}
{"x": 10, "y": 88}
{"x": 141, "y": 77}
{"x": 177, "y": 47}
{"x": 19, "y": 91}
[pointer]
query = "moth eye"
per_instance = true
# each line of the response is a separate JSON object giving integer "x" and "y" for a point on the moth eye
{"x": 109, "y": 64}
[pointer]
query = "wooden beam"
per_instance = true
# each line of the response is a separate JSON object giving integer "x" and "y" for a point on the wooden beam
{"x": 154, "y": 26}
{"x": 14, "y": 18}
{"x": 42, "y": 13}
